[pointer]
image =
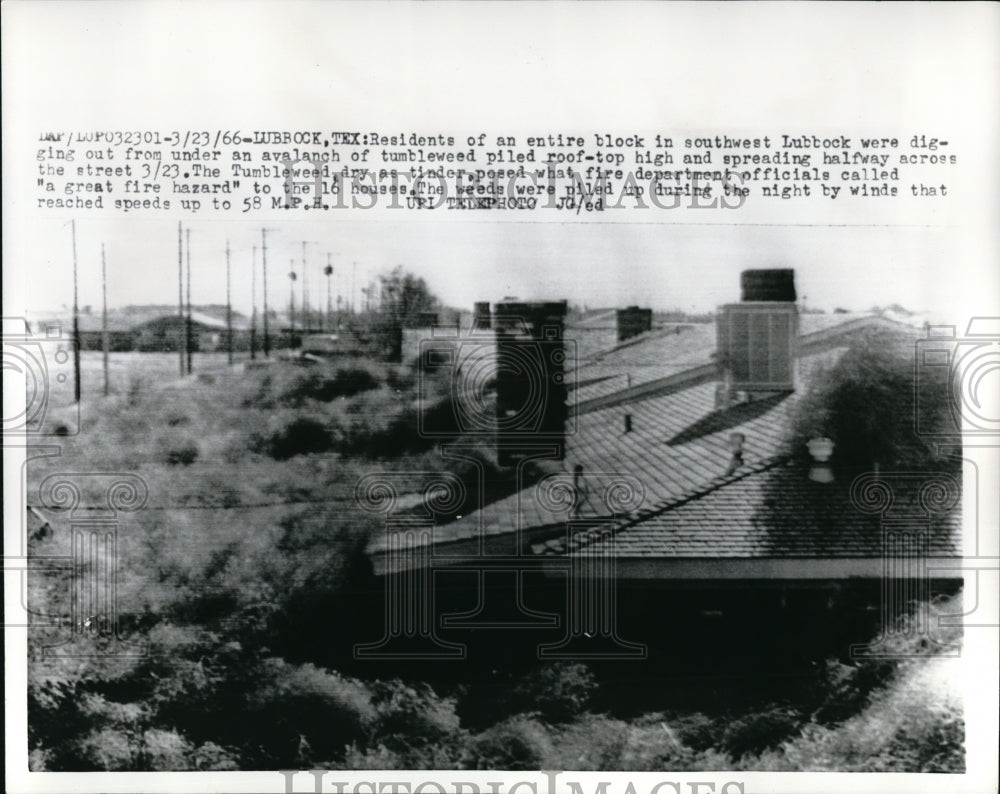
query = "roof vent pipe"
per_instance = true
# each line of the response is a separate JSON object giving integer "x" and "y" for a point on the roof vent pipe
{"x": 736, "y": 446}
{"x": 628, "y": 423}
{"x": 821, "y": 450}
{"x": 579, "y": 491}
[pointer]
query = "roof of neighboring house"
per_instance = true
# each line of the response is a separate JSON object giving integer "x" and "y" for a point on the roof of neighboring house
{"x": 679, "y": 446}
{"x": 645, "y": 357}
{"x": 596, "y": 318}
{"x": 198, "y": 318}
{"x": 88, "y": 323}
{"x": 668, "y": 360}
{"x": 131, "y": 318}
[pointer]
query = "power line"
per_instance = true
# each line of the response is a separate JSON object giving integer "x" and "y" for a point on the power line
{"x": 253, "y": 301}
{"x": 229, "y": 308}
{"x": 263, "y": 253}
{"x": 104, "y": 320}
{"x": 180, "y": 288}
{"x": 76, "y": 323}
{"x": 188, "y": 326}
{"x": 291, "y": 303}
{"x": 328, "y": 272}
{"x": 305, "y": 291}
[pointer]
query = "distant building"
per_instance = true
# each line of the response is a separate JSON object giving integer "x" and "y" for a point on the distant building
{"x": 156, "y": 328}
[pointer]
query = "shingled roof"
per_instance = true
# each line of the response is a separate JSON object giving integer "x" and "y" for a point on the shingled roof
{"x": 772, "y": 509}
{"x": 664, "y": 485}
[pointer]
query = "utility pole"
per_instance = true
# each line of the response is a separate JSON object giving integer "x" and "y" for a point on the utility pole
{"x": 104, "y": 319}
{"x": 76, "y": 323}
{"x": 188, "y": 329}
{"x": 180, "y": 288}
{"x": 263, "y": 254}
{"x": 328, "y": 272}
{"x": 253, "y": 306}
{"x": 229, "y": 308}
{"x": 305, "y": 290}
{"x": 354, "y": 279}
{"x": 291, "y": 302}
{"x": 340, "y": 298}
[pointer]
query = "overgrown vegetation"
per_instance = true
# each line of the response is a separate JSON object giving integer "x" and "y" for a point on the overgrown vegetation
{"x": 868, "y": 404}
{"x": 245, "y": 577}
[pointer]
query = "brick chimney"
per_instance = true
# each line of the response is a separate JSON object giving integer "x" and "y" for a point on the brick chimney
{"x": 481, "y": 316}
{"x": 633, "y": 321}
{"x": 531, "y": 387}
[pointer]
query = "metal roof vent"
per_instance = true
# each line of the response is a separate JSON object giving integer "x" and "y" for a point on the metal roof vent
{"x": 821, "y": 450}
{"x": 757, "y": 337}
{"x": 579, "y": 491}
{"x": 736, "y": 441}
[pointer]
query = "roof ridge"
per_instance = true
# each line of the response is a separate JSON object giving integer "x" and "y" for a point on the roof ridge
{"x": 585, "y": 537}
{"x": 807, "y": 344}
{"x": 645, "y": 336}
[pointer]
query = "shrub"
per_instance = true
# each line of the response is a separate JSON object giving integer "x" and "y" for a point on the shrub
{"x": 346, "y": 382}
{"x": 593, "y": 743}
{"x": 697, "y": 731}
{"x": 166, "y": 751}
{"x": 519, "y": 743}
{"x": 179, "y": 452}
{"x": 400, "y": 378}
{"x": 375, "y": 758}
{"x": 261, "y": 394}
{"x": 653, "y": 744}
{"x": 136, "y": 391}
{"x": 300, "y": 436}
{"x": 760, "y": 730}
{"x": 210, "y": 757}
{"x": 866, "y": 403}
{"x": 913, "y": 724}
{"x": 106, "y": 749}
{"x": 175, "y": 418}
{"x": 385, "y": 434}
{"x": 411, "y": 714}
{"x": 845, "y": 689}
{"x": 311, "y": 714}
{"x": 559, "y": 692}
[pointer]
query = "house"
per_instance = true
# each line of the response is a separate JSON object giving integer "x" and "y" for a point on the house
{"x": 599, "y": 330}
{"x": 121, "y": 333}
{"x": 154, "y": 328}
{"x": 166, "y": 332}
{"x": 675, "y": 474}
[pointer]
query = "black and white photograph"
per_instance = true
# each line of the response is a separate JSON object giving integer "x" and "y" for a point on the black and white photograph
{"x": 471, "y": 397}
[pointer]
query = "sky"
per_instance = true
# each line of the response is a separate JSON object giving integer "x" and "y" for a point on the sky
{"x": 690, "y": 267}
